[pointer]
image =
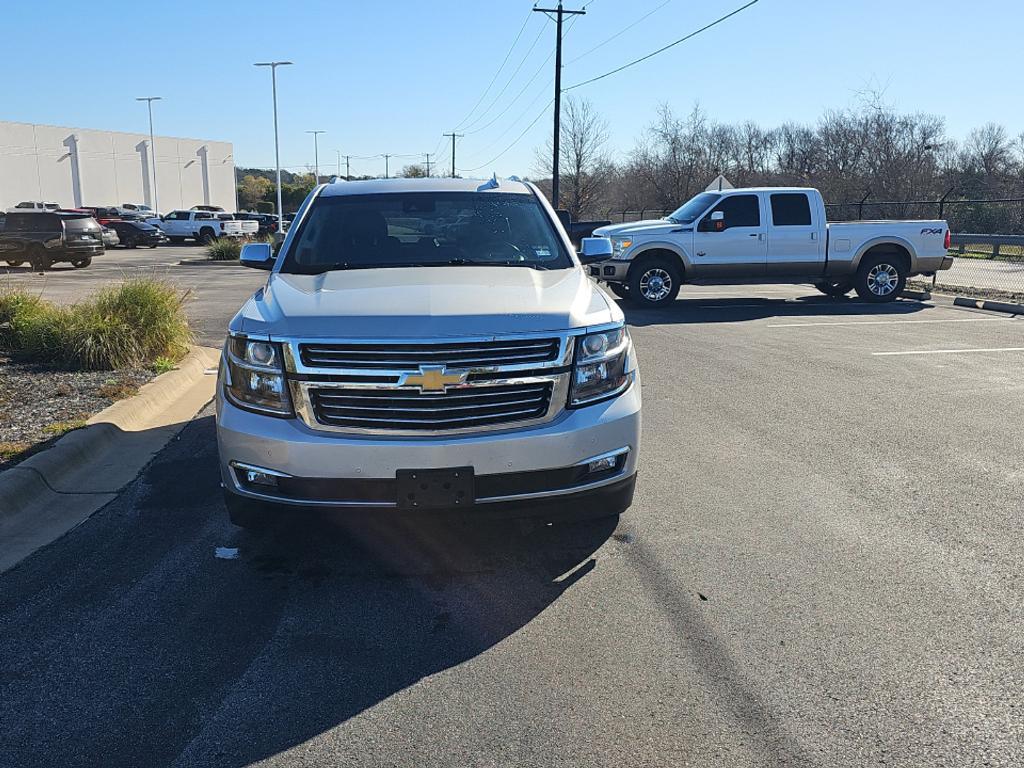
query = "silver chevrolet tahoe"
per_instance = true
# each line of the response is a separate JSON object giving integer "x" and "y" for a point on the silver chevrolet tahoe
{"x": 427, "y": 346}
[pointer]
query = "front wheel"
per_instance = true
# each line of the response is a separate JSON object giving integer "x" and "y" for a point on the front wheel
{"x": 619, "y": 289}
{"x": 205, "y": 237}
{"x": 15, "y": 263}
{"x": 82, "y": 263}
{"x": 880, "y": 278}
{"x": 654, "y": 283}
{"x": 834, "y": 288}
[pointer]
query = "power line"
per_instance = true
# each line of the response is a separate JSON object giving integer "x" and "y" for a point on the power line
{"x": 620, "y": 32}
{"x": 513, "y": 124}
{"x": 508, "y": 82}
{"x": 497, "y": 72}
{"x": 516, "y": 141}
{"x": 664, "y": 48}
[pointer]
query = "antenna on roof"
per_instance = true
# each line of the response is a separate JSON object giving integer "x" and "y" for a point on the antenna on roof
{"x": 491, "y": 183}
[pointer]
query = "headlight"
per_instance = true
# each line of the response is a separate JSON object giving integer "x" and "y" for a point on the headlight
{"x": 602, "y": 369}
{"x": 619, "y": 246}
{"x": 254, "y": 376}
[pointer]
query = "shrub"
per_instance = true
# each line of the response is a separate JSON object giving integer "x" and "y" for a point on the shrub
{"x": 129, "y": 325}
{"x": 224, "y": 249}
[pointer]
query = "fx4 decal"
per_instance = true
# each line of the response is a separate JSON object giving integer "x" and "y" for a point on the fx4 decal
{"x": 931, "y": 231}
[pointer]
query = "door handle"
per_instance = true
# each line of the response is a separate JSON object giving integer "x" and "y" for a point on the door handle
{"x": 814, "y": 235}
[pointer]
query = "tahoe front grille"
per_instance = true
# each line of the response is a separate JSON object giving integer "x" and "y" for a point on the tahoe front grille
{"x": 405, "y": 357}
{"x": 409, "y": 409}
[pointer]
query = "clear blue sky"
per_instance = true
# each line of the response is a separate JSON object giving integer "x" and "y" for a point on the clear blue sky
{"x": 392, "y": 76}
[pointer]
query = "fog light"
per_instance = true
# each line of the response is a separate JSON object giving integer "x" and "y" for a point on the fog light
{"x": 603, "y": 464}
{"x": 255, "y": 477}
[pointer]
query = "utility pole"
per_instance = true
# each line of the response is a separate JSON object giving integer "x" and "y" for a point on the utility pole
{"x": 277, "y": 152}
{"x": 339, "y": 162}
{"x": 428, "y": 165}
{"x": 348, "y": 175}
{"x": 454, "y": 136}
{"x": 386, "y": 169}
{"x": 316, "y": 155}
{"x": 152, "y": 148}
{"x": 559, "y": 13}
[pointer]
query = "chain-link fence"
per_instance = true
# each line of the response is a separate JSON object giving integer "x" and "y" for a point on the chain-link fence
{"x": 984, "y": 266}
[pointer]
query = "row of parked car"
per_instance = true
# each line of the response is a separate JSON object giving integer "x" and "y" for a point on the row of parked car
{"x": 42, "y": 234}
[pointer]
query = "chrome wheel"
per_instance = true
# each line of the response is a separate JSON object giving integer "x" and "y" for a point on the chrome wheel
{"x": 655, "y": 284}
{"x": 883, "y": 279}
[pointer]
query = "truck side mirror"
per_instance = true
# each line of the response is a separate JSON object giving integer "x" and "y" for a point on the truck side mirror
{"x": 594, "y": 249}
{"x": 718, "y": 221}
{"x": 257, "y": 256}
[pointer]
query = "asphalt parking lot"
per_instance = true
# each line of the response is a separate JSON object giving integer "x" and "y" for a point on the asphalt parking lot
{"x": 823, "y": 566}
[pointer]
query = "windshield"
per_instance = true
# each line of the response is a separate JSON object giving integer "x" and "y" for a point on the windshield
{"x": 426, "y": 229}
{"x": 692, "y": 208}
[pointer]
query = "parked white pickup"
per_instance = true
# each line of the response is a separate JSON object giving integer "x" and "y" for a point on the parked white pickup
{"x": 202, "y": 226}
{"x": 774, "y": 234}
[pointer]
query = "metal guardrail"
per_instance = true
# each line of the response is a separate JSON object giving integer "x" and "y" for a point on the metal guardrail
{"x": 961, "y": 241}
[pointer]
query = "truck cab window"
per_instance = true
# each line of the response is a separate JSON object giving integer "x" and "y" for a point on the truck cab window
{"x": 791, "y": 210}
{"x": 739, "y": 210}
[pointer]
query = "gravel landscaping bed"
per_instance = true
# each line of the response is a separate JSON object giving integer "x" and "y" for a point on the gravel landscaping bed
{"x": 39, "y": 404}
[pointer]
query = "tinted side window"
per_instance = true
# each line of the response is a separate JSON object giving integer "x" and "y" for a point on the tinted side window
{"x": 791, "y": 210}
{"x": 740, "y": 211}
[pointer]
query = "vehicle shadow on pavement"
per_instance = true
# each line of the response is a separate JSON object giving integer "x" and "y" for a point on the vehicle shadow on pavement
{"x": 742, "y": 309}
{"x": 128, "y": 642}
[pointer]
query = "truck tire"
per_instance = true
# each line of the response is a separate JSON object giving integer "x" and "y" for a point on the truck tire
{"x": 835, "y": 288}
{"x": 14, "y": 263}
{"x": 619, "y": 289}
{"x": 653, "y": 282}
{"x": 205, "y": 236}
{"x": 176, "y": 239}
{"x": 880, "y": 278}
{"x": 82, "y": 263}
{"x": 39, "y": 259}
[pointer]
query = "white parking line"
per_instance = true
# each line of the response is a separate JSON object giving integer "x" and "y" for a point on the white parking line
{"x": 895, "y": 322}
{"x": 949, "y": 351}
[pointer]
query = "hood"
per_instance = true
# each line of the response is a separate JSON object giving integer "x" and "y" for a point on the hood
{"x": 425, "y": 302}
{"x": 649, "y": 227}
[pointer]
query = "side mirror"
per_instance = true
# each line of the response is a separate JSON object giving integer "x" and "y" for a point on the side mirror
{"x": 595, "y": 249}
{"x": 718, "y": 221}
{"x": 257, "y": 256}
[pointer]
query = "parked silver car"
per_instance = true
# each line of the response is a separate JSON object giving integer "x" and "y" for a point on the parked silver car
{"x": 385, "y": 369}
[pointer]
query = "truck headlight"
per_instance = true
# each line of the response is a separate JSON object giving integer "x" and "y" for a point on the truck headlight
{"x": 254, "y": 376}
{"x": 603, "y": 367}
{"x": 619, "y": 246}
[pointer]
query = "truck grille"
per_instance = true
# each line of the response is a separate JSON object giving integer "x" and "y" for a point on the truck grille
{"x": 407, "y": 409}
{"x": 466, "y": 354}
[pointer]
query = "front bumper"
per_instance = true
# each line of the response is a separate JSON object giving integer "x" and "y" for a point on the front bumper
{"x": 518, "y": 472}
{"x": 612, "y": 271}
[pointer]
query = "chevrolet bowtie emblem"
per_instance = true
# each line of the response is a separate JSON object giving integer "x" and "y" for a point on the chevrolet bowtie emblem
{"x": 433, "y": 378}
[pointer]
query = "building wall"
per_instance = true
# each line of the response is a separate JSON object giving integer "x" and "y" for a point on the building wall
{"x": 79, "y": 166}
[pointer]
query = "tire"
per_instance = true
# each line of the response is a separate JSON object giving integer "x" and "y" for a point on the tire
{"x": 14, "y": 263}
{"x": 132, "y": 244}
{"x": 619, "y": 289}
{"x": 835, "y": 288}
{"x": 82, "y": 263}
{"x": 653, "y": 282}
{"x": 881, "y": 278}
{"x": 153, "y": 245}
{"x": 205, "y": 236}
{"x": 177, "y": 239}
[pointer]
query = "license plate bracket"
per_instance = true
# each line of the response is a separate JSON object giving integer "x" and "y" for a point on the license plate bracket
{"x": 435, "y": 488}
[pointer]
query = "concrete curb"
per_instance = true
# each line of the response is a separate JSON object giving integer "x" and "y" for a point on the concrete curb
{"x": 995, "y": 306}
{"x": 51, "y": 492}
{"x": 912, "y": 294}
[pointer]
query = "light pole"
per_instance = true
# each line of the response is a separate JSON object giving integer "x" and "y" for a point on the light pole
{"x": 152, "y": 147}
{"x": 277, "y": 153}
{"x": 316, "y": 155}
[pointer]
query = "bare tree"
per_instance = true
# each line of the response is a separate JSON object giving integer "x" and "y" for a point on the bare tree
{"x": 584, "y": 167}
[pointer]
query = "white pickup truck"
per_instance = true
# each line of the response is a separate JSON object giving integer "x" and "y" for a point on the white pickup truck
{"x": 770, "y": 234}
{"x": 202, "y": 226}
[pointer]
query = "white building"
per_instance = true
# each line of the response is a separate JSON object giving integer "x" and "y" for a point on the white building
{"x": 80, "y": 166}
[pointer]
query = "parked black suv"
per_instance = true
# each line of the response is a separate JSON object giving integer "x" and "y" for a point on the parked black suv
{"x": 42, "y": 239}
{"x": 135, "y": 233}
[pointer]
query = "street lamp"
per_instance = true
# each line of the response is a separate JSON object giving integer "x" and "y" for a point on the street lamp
{"x": 152, "y": 147}
{"x": 316, "y": 155}
{"x": 277, "y": 152}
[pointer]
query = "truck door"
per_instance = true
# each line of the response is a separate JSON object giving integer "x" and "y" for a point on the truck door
{"x": 734, "y": 244}
{"x": 172, "y": 225}
{"x": 795, "y": 239}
